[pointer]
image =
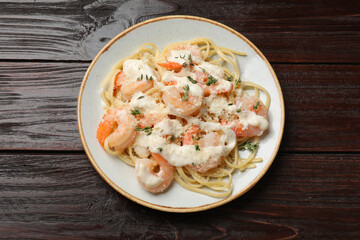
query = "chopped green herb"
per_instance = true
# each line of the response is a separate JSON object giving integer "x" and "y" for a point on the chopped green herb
{"x": 230, "y": 78}
{"x": 185, "y": 97}
{"x": 160, "y": 149}
{"x": 239, "y": 110}
{"x": 256, "y": 106}
{"x": 193, "y": 164}
{"x": 140, "y": 97}
{"x": 211, "y": 80}
{"x": 147, "y": 130}
{"x": 198, "y": 138}
{"x": 249, "y": 146}
{"x": 150, "y": 78}
{"x": 172, "y": 138}
{"x": 135, "y": 112}
{"x": 197, "y": 148}
{"x": 230, "y": 104}
{"x": 183, "y": 57}
{"x": 147, "y": 78}
{"x": 237, "y": 81}
{"x": 191, "y": 80}
{"x": 142, "y": 76}
{"x": 190, "y": 60}
{"x": 202, "y": 69}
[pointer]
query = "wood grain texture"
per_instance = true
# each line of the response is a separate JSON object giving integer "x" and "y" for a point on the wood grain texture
{"x": 52, "y": 196}
{"x": 286, "y": 31}
{"x": 38, "y": 106}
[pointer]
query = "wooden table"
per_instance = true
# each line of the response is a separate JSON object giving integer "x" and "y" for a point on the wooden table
{"x": 49, "y": 189}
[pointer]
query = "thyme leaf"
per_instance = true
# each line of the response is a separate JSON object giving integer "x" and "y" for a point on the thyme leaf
{"x": 211, "y": 80}
{"x": 135, "y": 112}
{"x": 249, "y": 146}
{"x": 191, "y": 80}
{"x": 185, "y": 97}
{"x": 256, "y": 106}
{"x": 197, "y": 148}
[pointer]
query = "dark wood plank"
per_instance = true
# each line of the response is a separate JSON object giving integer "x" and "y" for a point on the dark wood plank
{"x": 53, "y": 196}
{"x": 322, "y": 107}
{"x": 38, "y": 106}
{"x": 286, "y": 31}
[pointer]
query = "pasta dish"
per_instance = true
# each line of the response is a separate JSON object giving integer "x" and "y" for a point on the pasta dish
{"x": 183, "y": 114}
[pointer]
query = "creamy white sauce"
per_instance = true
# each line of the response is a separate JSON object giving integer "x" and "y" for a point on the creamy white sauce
{"x": 218, "y": 73}
{"x": 145, "y": 176}
{"x": 146, "y": 104}
{"x": 247, "y": 118}
{"x": 219, "y": 105}
{"x": 184, "y": 155}
{"x": 212, "y": 69}
{"x": 181, "y": 82}
{"x": 169, "y": 127}
{"x": 182, "y": 56}
{"x": 134, "y": 69}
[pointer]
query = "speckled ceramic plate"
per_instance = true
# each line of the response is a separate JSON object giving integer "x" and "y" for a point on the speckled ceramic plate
{"x": 162, "y": 31}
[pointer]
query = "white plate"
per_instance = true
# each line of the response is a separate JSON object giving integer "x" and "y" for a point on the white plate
{"x": 162, "y": 31}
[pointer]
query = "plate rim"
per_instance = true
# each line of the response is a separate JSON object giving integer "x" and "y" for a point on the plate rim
{"x": 168, "y": 208}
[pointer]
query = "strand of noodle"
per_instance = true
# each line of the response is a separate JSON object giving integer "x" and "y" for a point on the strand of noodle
{"x": 218, "y": 194}
{"x": 190, "y": 181}
{"x": 215, "y": 185}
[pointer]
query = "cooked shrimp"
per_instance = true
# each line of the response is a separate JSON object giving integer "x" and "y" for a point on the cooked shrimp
{"x": 119, "y": 79}
{"x": 192, "y": 137}
{"x": 171, "y": 66}
{"x": 136, "y": 76}
{"x": 118, "y": 126}
{"x": 181, "y": 104}
{"x": 129, "y": 88}
{"x": 181, "y": 55}
{"x": 150, "y": 119}
{"x": 154, "y": 176}
{"x": 247, "y": 105}
{"x": 210, "y": 84}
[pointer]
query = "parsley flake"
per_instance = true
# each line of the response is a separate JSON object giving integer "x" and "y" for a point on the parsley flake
{"x": 237, "y": 81}
{"x": 172, "y": 138}
{"x": 160, "y": 149}
{"x": 140, "y": 97}
{"x": 239, "y": 110}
